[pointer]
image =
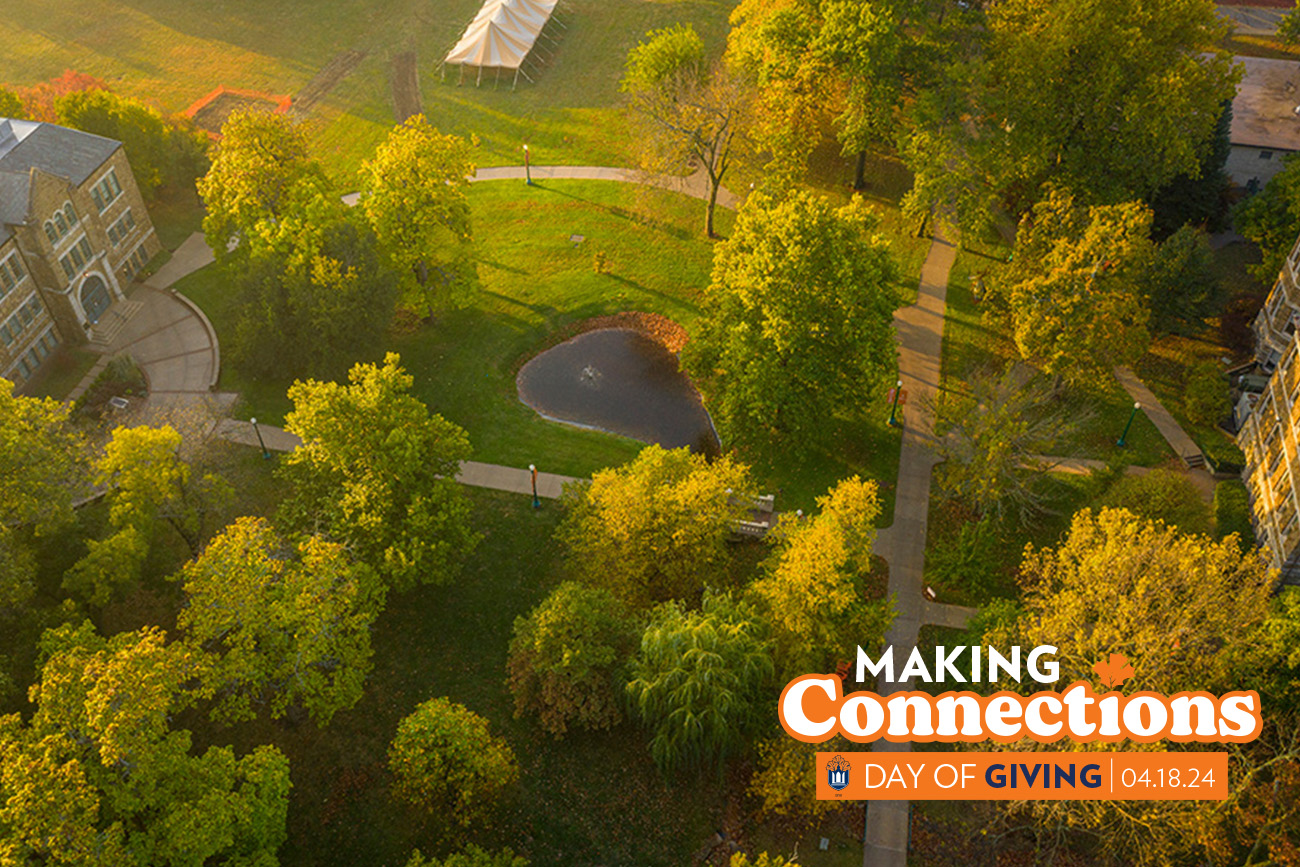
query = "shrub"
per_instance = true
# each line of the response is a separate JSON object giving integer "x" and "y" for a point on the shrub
{"x": 121, "y": 377}
{"x": 1232, "y": 513}
{"x": 470, "y": 856}
{"x": 1161, "y": 495}
{"x": 1206, "y": 395}
{"x": 445, "y": 758}
{"x": 566, "y": 657}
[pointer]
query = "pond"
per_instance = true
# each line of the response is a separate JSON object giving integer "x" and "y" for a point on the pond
{"x": 621, "y": 381}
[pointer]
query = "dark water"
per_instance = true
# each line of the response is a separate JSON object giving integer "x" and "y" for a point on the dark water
{"x": 618, "y": 380}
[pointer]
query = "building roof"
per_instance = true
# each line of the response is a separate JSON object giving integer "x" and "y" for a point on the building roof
{"x": 1266, "y": 110}
{"x": 57, "y": 150}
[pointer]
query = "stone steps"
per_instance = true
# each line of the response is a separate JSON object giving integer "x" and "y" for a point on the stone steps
{"x": 112, "y": 322}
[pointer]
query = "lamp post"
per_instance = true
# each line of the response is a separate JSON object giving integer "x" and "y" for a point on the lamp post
{"x": 1123, "y": 438}
{"x": 265, "y": 454}
{"x": 532, "y": 468}
{"x": 528, "y": 171}
{"x": 893, "y": 407}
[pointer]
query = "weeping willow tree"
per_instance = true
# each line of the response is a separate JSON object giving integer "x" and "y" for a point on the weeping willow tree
{"x": 699, "y": 682}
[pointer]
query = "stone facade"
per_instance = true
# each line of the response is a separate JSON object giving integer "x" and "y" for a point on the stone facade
{"x": 72, "y": 217}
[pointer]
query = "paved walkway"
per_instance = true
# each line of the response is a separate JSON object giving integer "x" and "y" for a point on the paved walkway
{"x": 920, "y": 337}
{"x": 513, "y": 480}
{"x": 1169, "y": 428}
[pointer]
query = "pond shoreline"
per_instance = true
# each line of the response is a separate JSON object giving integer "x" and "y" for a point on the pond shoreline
{"x": 668, "y": 333}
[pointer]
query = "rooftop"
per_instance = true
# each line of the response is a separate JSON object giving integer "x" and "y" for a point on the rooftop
{"x": 1264, "y": 112}
{"x": 57, "y": 150}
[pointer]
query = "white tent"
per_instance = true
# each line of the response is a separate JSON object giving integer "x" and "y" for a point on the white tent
{"x": 502, "y": 35}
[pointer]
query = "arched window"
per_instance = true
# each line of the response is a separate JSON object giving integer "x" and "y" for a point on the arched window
{"x": 50, "y": 233}
{"x": 60, "y": 223}
{"x": 70, "y": 213}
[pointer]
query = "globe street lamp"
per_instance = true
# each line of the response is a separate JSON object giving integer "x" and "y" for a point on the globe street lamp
{"x": 1123, "y": 438}
{"x": 265, "y": 454}
{"x": 532, "y": 468}
{"x": 528, "y": 172}
{"x": 893, "y": 406}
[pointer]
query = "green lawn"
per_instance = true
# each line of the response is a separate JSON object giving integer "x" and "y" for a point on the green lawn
{"x": 535, "y": 284}
{"x": 973, "y": 342}
{"x": 62, "y": 373}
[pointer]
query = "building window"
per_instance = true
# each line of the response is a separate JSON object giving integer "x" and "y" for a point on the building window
{"x": 119, "y": 230}
{"x": 11, "y": 274}
{"x": 106, "y": 191}
{"x": 77, "y": 258}
{"x": 1266, "y": 155}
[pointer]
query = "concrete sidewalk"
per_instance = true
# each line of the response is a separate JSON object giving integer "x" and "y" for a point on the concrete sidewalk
{"x": 514, "y": 480}
{"x": 1164, "y": 421}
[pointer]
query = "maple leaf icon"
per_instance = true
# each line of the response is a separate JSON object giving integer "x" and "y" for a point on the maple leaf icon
{"x": 1113, "y": 671}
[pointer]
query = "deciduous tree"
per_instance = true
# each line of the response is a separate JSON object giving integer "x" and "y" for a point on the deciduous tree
{"x": 1162, "y": 495}
{"x": 286, "y": 627}
{"x": 10, "y": 105}
{"x": 376, "y": 473}
{"x": 797, "y": 320}
{"x": 42, "y": 464}
{"x": 692, "y": 113}
{"x": 1077, "y": 301}
{"x": 814, "y": 590}
{"x": 656, "y": 528}
{"x": 566, "y": 658}
{"x": 1271, "y": 218}
{"x": 445, "y": 759}
{"x": 470, "y": 856}
{"x": 413, "y": 192}
{"x": 700, "y": 681}
{"x": 260, "y": 172}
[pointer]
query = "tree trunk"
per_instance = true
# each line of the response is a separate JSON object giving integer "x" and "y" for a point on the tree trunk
{"x": 422, "y": 277}
{"x": 860, "y": 171}
{"x": 710, "y": 206}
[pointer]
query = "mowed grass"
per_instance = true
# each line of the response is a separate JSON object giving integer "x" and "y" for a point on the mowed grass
{"x": 536, "y": 283}
{"x": 171, "y": 54}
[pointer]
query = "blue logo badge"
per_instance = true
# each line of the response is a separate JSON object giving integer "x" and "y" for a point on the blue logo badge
{"x": 837, "y": 773}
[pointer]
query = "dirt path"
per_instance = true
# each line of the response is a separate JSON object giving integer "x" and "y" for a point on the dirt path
{"x": 406, "y": 86}
{"x": 339, "y": 67}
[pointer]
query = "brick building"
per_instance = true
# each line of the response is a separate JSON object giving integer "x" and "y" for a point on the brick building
{"x": 74, "y": 232}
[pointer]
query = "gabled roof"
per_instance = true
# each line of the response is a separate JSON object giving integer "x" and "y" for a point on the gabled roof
{"x": 57, "y": 150}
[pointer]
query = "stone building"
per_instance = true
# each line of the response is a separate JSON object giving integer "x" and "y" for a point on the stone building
{"x": 74, "y": 232}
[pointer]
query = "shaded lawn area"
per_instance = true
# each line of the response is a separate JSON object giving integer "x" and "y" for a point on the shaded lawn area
{"x": 536, "y": 284}
{"x": 973, "y": 342}
{"x": 62, "y": 373}
{"x": 586, "y": 800}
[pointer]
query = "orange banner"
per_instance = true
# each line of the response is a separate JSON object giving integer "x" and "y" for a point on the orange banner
{"x": 917, "y": 776}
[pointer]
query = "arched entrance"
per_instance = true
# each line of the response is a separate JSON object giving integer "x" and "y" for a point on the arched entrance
{"x": 94, "y": 298}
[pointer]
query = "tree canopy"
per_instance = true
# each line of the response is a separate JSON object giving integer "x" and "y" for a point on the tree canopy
{"x": 42, "y": 463}
{"x": 445, "y": 759}
{"x": 656, "y": 528}
{"x": 376, "y": 472}
{"x": 798, "y": 317}
{"x": 700, "y": 681}
{"x": 413, "y": 193}
{"x": 285, "y": 627}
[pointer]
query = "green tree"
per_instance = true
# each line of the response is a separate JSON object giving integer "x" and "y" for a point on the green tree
{"x": 1200, "y": 199}
{"x": 1162, "y": 495}
{"x": 287, "y": 628}
{"x": 567, "y": 656}
{"x": 261, "y": 171}
{"x": 42, "y": 462}
{"x": 785, "y": 779}
{"x": 1232, "y": 513}
{"x": 814, "y": 587}
{"x": 315, "y": 301}
{"x": 700, "y": 681}
{"x": 160, "y": 152}
{"x": 470, "y": 856}
{"x": 1206, "y": 394}
{"x": 690, "y": 113}
{"x": 797, "y": 321}
{"x": 657, "y": 527}
{"x": 413, "y": 191}
{"x": 1271, "y": 218}
{"x": 11, "y": 106}
{"x": 991, "y": 451}
{"x": 1182, "y": 289}
{"x": 1078, "y": 306}
{"x": 445, "y": 759}
{"x": 99, "y": 777}
{"x": 376, "y": 473}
